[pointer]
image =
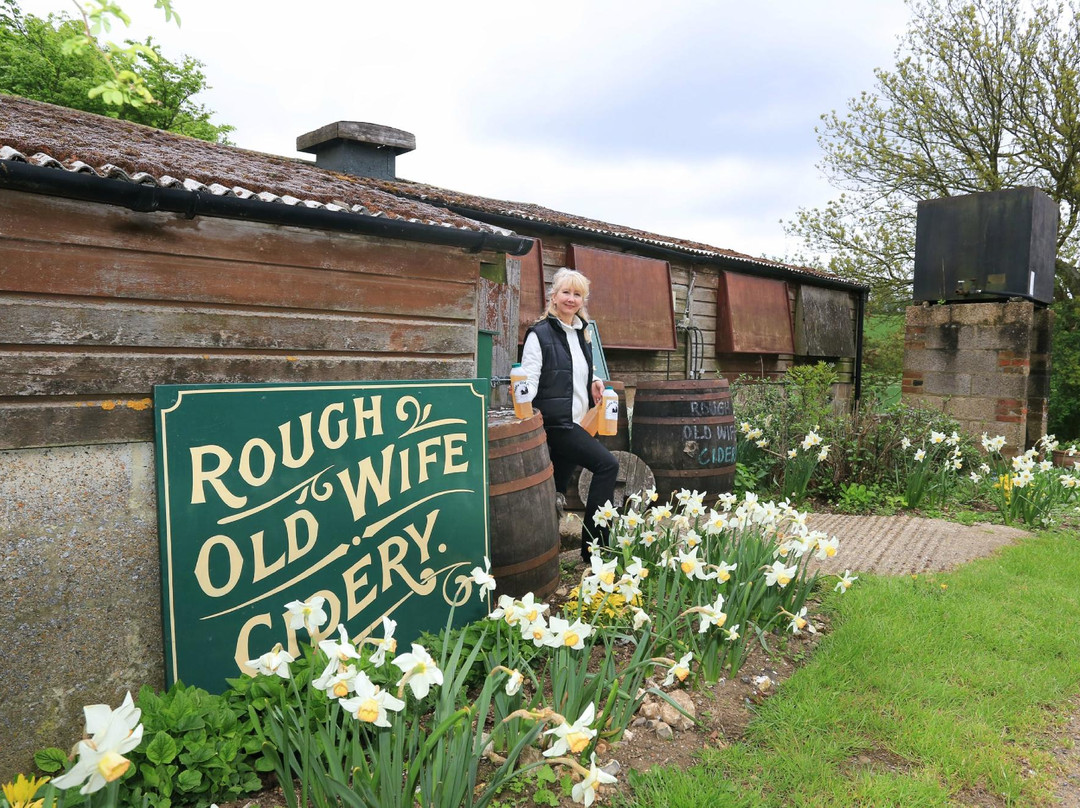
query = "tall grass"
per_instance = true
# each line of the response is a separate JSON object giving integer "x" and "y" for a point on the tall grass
{"x": 930, "y": 691}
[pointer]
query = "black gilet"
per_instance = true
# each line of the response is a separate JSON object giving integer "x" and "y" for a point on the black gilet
{"x": 555, "y": 393}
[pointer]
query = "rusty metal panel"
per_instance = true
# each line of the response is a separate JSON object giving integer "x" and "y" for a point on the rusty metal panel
{"x": 823, "y": 323}
{"x": 630, "y": 298}
{"x": 531, "y": 300}
{"x": 752, "y": 315}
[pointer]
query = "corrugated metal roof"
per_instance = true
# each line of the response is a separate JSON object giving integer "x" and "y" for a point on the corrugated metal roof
{"x": 72, "y": 140}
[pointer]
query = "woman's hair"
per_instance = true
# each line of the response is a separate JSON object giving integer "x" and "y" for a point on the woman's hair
{"x": 573, "y": 280}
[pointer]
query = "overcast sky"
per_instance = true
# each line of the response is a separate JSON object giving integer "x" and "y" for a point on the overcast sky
{"x": 687, "y": 119}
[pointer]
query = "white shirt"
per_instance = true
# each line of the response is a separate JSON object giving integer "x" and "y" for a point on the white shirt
{"x": 532, "y": 362}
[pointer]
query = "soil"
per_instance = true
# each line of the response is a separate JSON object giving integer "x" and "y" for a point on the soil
{"x": 890, "y": 545}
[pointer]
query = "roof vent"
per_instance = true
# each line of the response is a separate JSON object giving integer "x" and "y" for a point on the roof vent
{"x": 361, "y": 149}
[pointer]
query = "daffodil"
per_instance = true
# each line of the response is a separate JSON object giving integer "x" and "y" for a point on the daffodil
{"x": 573, "y": 738}
{"x": 680, "y": 670}
{"x": 799, "y": 622}
{"x": 483, "y": 578}
{"x": 845, "y": 582}
{"x": 371, "y": 703}
{"x": 339, "y": 682}
{"x": 514, "y": 682}
{"x": 792, "y": 453}
{"x": 823, "y": 455}
{"x": 640, "y": 618}
{"x": 826, "y": 548}
{"x": 605, "y": 515}
{"x": 419, "y": 669}
{"x": 386, "y": 645}
{"x": 340, "y": 650}
{"x": 732, "y": 633}
{"x": 712, "y": 615}
{"x": 113, "y": 733}
{"x": 920, "y": 455}
{"x": 779, "y": 573}
{"x": 693, "y": 567}
{"x": 20, "y": 792}
{"x": 812, "y": 439}
{"x": 905, "y": 443}
{"x": 274, "y": 662}
{"x": 724, "y": 570}
{"x": 308, "y": 614}
{"x": 570, "y": 635}
{"x": 585, "y": 791}
{"x": 936, "y": 437}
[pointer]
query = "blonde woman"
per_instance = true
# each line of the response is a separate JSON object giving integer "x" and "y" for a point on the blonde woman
{"x": 557, "y": 358}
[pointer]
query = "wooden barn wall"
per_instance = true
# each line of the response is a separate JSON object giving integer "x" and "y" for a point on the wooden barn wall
{"x": 633, "y": 367}
{"x": 98, "y": 304}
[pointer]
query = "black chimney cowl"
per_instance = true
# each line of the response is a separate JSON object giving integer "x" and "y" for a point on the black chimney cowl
{"x": 360, "y": 149}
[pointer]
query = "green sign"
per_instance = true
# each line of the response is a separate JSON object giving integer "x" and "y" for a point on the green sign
{"x": 370, "y": 494}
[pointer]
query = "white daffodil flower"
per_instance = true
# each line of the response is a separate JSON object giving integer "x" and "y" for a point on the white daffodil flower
{"x": 571, "y": 635}
{"x": 680, "y": 670}
{"x": 387, "y": 645}
{"x": 693, "y": 567}
{"x": 603, "y": 572}
{"x": 799, "y": 622}
{"x": 845, "y": 582}
{"x": 308, "y": 614}
{"x": 732, "y": 633}
{"x": 113, "y": 733}
{"x": 605, "y": 514}
{"x": 585, "y": 791}
{"x": 573, "y": 738}
{"x": 640, "y": 618}
{"x": 826, "y": 548}
{"x": 905, "y": 443}
{"x": 936, "y": 437}
{"x": 920, "y": 455}
{"x": 724, "y": 570}
{"x": 823, "y": 455}
{"x": 514, "y": 682}
{"x": 419, "y": 669}
{"x": 779, "y": 573}
{"x": 274, "y": 662}
{"x": 338, "y": 684}
{"x": 812, "y": 439}
{"x": 712, "y": 615}
{"x": 483, "y": 578}
{"x": 371, "y": 703}
{"x": 340, "y": 650}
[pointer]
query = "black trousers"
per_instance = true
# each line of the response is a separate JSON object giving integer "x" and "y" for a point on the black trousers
{"x": 575, "y": 447}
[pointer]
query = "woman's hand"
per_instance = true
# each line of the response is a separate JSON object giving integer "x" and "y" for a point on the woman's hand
{"x": 597, "y": 391}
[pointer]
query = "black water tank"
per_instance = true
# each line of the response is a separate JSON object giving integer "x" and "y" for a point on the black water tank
{"x": 987, "y": 246}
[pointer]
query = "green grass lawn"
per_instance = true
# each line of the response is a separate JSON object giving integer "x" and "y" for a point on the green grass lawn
{"x": 936, "y": 690}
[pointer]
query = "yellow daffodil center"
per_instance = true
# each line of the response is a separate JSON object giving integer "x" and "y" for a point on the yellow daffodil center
{"x": 368, "y": 711}
{"x": 830, "y": 551}
{"x": 721, "y": 618}
{"x": 577, "y": 741}
{"x": 531, "y": 616}
{"x": 112, "y": 765}
{"x": 800, "y": 622}
{"x": 681, "y": 673}
{"x": 688, "y": 566}
{"x": 571, "y": 638}
{"x": 538, "y": 633}
{"x": 341, "y": 690}
{"x": 722, "y": 576}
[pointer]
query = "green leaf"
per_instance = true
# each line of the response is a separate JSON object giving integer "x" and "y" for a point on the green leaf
{"x": 189, "y": 780}
{"x": 50, "y": 760}
{"x": 162, "y": 749}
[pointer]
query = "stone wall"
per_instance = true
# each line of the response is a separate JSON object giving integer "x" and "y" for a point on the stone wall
{"x": 985, "y": 364}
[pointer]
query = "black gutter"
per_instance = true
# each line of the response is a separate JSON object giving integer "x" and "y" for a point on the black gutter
{"x": 654, "y": 250}
{"x": 860, "y": 316}
{"x": 18, "y": 176}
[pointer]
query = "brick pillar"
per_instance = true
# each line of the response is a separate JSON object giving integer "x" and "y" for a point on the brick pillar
{"x": 985, "y": 364}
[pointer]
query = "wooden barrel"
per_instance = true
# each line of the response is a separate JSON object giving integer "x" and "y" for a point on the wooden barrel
{"x": 685, "y": 432}
{"x": 521, "y": 506}
{"x": 619, "y": 442}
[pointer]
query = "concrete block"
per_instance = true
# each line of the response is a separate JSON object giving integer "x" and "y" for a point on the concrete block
{"x": 82, "y": 590}
{"x": 977, "y": 313}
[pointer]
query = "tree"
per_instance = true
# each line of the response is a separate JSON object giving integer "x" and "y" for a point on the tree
{"x": 985, "y": 95}
{"x": 37, "y": 60}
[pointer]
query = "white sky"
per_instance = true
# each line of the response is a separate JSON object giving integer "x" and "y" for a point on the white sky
{"x": 687, "y": 118}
